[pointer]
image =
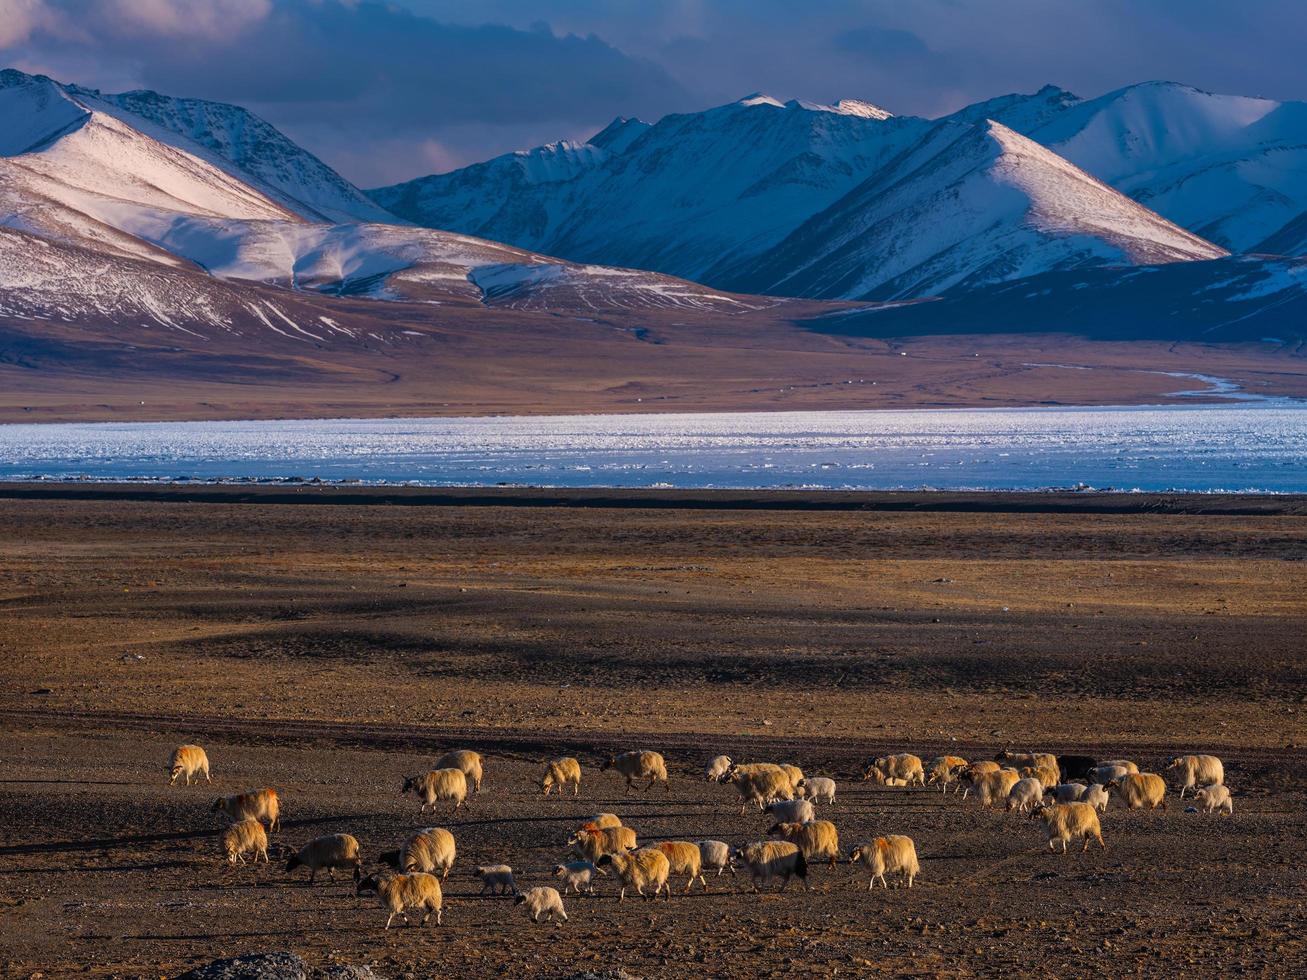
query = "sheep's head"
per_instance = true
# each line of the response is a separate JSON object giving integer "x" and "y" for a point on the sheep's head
{"x": 369, "y": 884}
{"x": 604, "y": 861}
{"x": 217, "y": 805}
{"x": 294, "y": 862}
{"x": 559, "y": 871}
{"x": 875, "y": 774}
{"x": 1174, "y": 763}
{"x": 519, "y": 899}
{"x": 855, "y": 854}
{"x": 410, "y": 785}
{"x": 546, "y": 782}
{"x": 609, "y": 763}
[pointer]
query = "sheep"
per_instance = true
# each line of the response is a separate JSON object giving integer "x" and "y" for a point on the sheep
{"x": 770, "y": 859}
{"x": 1197, "y": 770}
{"x": 260, "y": 804}
{"x": 639, "y": 765}
{"x": 991, "y": 786}
{"x": 1141, "y": 789}
{"x": 439, "y": 784}
{"x": 400, "y": 892}
{"x": 821, "y": 789}
{"x": 794, "y": 772}
{"x": 602, "y": 821}
{"x": 791, "y": 811}
{"x": 1068, "y": 792}
{"x": 981, "y": 766}
{"x": 542, "y": 901}
{"x": 818, "y": 840}
{"x": 716, "y": 768}
{"x": 761, "y": 783}
{"x": 1047, "y": 777}
{"x": 243, "y": 836}
{"x": 716, "y": 854}
{"x": 638, "y": 869}
{"x": 945, "y": 769}
{"x": 188, "y": 761}
{"x": 1019, "y": 759}
{"x": 683, "y": 858}
{"x": 1215, "y": 797}
{"x": 893, "y": 853}
{"x": 1126, "y": 764}
{"x": 1025, "y": 794}
{"x": 431, "y": 850}
{"x": 904, "y": 765}
{"x": 561, "y": 772}
{"x": 1066, "y": 821}
{"x": 498, "y": 879}
{"x": 594, "y": 844}
{"x": 1105, "y": 774}
{"x": 331, "y": 852}
{"x": 1074, "y": 767}
{"x": 465, "y": 761}
{"x": 1096, "y": 796}
{"x": 578, "y": 875}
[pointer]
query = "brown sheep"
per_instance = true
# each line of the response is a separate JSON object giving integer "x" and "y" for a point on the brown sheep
{"x": 1141, "y": 789}
{"x": 640, "y": 869}
{"x": 818, "y": 839}
{"x": 261, "y": 804}
{"x": 594, "y": 844}
{"x": 639, "y": 764}
{"x": 465, "y": 761}
{"x": 684, "y": 858}
{"x": 400, "y": 892}
{"x": 331, "y": 851}
{"x": 770, "y": 859}
{"x": 244, "y": 836}
{"x": 893, "y": 853}
{"x": 1066, "y": 821}
{"x": 561, "y": 772}
{"x": 190, "y": 760}
{"x": 440, "y": 784}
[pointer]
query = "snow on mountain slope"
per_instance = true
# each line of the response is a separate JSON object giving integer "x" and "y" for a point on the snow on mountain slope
{"x": 165, "y": 152}
{"x": 684, "y": 196}
{"x": 968, "y": 206}
{"x": 1229, "y": 168}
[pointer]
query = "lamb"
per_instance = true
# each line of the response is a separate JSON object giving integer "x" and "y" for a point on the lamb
{"x": 331, "y": 852}
{"x": 260, "y": 804}
{"x": 1025, "y": 795}
{"x": 578, "y": 875}
{"x": 244, "y": 836}
{"x": 1047, "y": 777}
{"x": 1066, "y": 821}
{"x": 991, "y": 786}
{"x": 594, "y": 844}
{"x": 818, "y": 788}
{"x": 431, "y": 850}
{"x": 542, "y": 901}
{"x": 716, "y": 854}
{"x": 1103, "y": 775}
{"x": 498, "y": 879}
{"x": 1215, "y": 797}
{"x": 561, "y": 772}
{"x": 945, "y": 769}
{"x": 903, "y": 765}
{"x": 1074, "y": 767}
{"x": 188, "y": 761}
{"x": 770, "y": 859}
{"x": 716, "y": 768}
{"x": 465, "y": 761}
{"x": 791, "y": 811}
{"x": 1141, "y": 789}
{"x": 761, "y": 783}
{"x": 639, "y": 765}
{"x": 894, "y": 853}
{"x": 818, "y": 840}
{"x": 639, "y": 869}
{"x": 1096, "y": 796}
{"x": 1197, "y": 770}
{"x": 602, "y": 821}
{"x": 1068, "y": 792}
{"x": 439, "y": 784}
{"x": 400, "y": 892}
{"x": 683, "y": 858}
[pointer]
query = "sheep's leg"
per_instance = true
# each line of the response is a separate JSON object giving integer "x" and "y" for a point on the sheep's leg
{"x": 331, "y": 872}
{"x": 389, "y": 919}
{"x": 313, "y": 873}
{"x": 563, "y": 914}
{"x": 424, "y": 918}
{"x": 621, "y": 896}
{"x": 576, "y": 789}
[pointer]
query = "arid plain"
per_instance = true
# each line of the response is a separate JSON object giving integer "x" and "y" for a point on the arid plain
{"x": 329, "y": 649}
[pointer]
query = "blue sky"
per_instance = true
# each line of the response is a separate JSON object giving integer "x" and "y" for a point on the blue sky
{"x": 388, "y": 91}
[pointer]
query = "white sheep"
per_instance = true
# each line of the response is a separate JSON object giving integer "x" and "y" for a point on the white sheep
{"x": 717, "y": 856}
{"x": 1068, "y": 792}
{"x": 1197, "y": 770}
{"x": 561, "y": 772}
{"x": 440, "y": 784}
{"x": 819, "y": 789}
{"x": 1109, "y": 772}
{"x": 578, "y": 876}
{"x": 1215, "y": 797}
{"x": 188, "y": 761}
{"x": 889, "y": 854}
{"x": 467, "y": 762}
{"x": 242, "y": 837}
{"x": 717, "y": 767}
{"x": 542, "y": 901}
{"x": 791, "y": 811}
{"x": 639, "y": 764}
{"x": 1025, "y": 794}
{"x": 431, "y": 849}
{"x": 497, "y": 879}
{"x": 1096, "y": 796}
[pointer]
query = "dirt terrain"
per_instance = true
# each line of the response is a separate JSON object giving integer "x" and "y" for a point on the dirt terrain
{"x": 330, "y": 650}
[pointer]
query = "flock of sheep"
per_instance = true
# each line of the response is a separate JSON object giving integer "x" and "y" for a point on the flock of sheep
{"x": 1066, "y": 792}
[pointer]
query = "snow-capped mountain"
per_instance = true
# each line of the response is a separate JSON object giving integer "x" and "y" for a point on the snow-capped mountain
{"x": 968, "y": 206}
{"x": 1229, "y": 168}
{"x": 689, "y": 195}
{"x": 841, "y": 201}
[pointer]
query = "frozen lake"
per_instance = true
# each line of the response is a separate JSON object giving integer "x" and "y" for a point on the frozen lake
{"x": 1253, "y": 447}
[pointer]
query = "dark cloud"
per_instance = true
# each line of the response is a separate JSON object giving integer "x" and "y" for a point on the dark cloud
{"x": 387, "y": 91}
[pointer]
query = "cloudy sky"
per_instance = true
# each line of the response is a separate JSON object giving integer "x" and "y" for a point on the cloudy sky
{"x": 389, "y": 91}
